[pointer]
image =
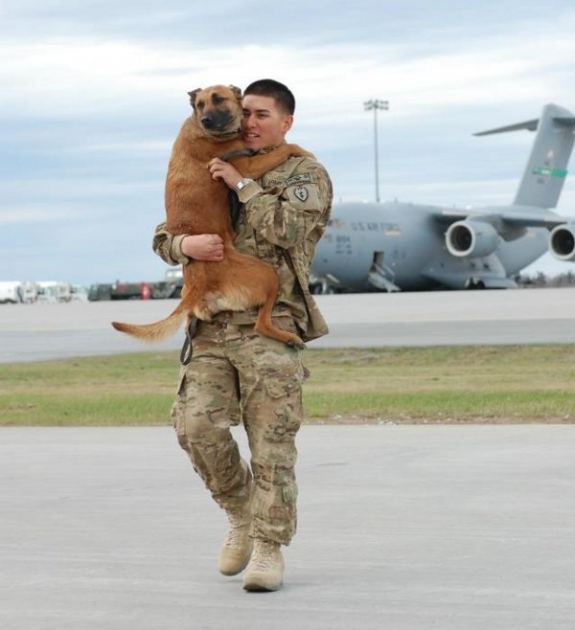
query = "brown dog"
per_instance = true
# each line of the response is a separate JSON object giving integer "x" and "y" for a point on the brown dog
{"x": 197, "y": 204}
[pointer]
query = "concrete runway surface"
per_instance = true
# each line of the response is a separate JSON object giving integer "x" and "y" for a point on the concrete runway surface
{"x": 401, "y": 527}
{"x": 48, "y": 331}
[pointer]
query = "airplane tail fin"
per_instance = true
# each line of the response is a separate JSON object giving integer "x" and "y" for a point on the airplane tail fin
{"x": 546, "y": 168}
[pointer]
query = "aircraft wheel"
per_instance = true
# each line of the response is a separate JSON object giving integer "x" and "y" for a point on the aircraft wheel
{"x": 474, "y": 284}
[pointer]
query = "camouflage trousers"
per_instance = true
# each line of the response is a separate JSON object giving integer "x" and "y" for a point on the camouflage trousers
{"x": 237, "y": 375}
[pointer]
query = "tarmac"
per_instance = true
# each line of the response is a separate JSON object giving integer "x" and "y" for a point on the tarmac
{"x": 400, "y": 527}
{"x": 35, "y": 332}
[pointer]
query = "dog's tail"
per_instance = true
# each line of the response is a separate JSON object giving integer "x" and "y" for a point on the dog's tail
{"x": 158, "y": 330}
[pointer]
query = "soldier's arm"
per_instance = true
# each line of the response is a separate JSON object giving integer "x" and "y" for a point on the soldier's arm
{"x": 168, "y": 246}
{"x": 290, "y": 214}
{"x": 180, "y": 249}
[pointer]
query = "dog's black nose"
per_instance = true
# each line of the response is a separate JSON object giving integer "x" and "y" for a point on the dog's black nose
{"x": 207, "y": 122}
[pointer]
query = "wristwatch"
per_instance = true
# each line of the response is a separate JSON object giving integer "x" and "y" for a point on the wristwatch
{"x": 243, "y": 183}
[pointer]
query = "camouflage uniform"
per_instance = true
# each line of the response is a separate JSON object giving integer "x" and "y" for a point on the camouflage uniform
{"x": 237, "y": 375}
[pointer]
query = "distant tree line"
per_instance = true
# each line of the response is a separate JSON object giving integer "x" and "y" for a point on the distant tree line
{"x": 541, "y": 280}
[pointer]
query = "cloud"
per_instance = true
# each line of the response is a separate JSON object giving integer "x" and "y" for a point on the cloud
{"x": 37, "y": 215}
{"x": 95, "y": 92}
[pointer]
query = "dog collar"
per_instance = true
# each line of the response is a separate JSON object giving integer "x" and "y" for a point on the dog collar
{"x": 230, "y": 155}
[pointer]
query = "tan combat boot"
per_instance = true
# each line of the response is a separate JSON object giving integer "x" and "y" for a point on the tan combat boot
{"x": 237, "y": 546}
{"x": 266, "y": 567}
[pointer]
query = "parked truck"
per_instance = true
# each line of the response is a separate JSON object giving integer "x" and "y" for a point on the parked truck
{"x": 120, "y": 291}
{"x": 170, "y": 287}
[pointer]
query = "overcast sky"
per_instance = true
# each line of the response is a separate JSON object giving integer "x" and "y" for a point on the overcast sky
{"x": 94, "y": 93}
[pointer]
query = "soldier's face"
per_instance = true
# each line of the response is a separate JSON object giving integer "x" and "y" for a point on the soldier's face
{"x": 263, "y": 124}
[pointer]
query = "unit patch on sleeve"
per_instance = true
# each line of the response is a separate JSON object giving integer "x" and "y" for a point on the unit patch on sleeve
{"x": 302, "y": 191}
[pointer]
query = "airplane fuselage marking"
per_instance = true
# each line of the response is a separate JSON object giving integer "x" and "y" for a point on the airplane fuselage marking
{"x": 549, "y": 172}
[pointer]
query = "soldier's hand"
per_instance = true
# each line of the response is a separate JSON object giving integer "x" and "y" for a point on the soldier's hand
{"x": 224, "y": 171}
{"x": 207, "y": 247}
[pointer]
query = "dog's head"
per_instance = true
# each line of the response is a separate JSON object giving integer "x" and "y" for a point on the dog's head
{"x": 217, "y": 109}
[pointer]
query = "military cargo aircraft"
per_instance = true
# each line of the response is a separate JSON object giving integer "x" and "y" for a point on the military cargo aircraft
{"x": 396, "y": 246}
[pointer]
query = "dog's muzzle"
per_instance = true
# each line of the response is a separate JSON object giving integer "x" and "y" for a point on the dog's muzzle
{"x": 218, "y": 122}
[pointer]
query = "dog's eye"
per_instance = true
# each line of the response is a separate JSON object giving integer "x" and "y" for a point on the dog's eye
{"x": 217, "y": 100}
{"x": 200, "y": 104}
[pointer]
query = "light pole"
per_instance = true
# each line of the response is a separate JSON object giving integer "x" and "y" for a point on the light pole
{"x": 376, "y": 104}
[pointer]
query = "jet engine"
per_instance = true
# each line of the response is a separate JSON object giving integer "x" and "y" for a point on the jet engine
{"x": 562, "y": 242}
{"x": 471, "y": 239}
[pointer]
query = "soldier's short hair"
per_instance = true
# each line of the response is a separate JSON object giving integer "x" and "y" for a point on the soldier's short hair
{"x": 282, "y": 95}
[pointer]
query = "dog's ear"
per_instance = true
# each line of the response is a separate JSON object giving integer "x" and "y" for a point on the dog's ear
{"x": 193, "y": 95}
{"x": 236, "y": 91}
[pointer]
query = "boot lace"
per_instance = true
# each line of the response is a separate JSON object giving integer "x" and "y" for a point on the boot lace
{"x": 265, "y": 556}
{"x": 238, "y": 529}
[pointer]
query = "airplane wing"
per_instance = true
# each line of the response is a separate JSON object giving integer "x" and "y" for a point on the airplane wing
{"x": 508, "y": 222}
{"x": 475, "y": 233}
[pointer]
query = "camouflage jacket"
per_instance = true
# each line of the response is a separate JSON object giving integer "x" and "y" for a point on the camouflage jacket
{"x": 283, "y": 216}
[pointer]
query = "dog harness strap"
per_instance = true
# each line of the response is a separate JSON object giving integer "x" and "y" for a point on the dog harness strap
{"x": 234, "y": 207}
{"x": 186, "y": 352}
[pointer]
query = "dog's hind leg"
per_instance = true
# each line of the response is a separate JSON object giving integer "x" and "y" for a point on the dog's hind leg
{"x": 265, "y": 326}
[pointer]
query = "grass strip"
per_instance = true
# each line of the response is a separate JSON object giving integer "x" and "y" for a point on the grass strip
{"x": 458, "y": 384}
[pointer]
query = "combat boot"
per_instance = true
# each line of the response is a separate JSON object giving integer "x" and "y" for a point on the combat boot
{"x": 266, "y": 567}
{"x": 237, "y": 546}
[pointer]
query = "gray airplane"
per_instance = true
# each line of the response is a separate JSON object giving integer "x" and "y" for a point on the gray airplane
{"x": 402, "y": 246}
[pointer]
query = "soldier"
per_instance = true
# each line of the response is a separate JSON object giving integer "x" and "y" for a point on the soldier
{"x": 237, "y": 375}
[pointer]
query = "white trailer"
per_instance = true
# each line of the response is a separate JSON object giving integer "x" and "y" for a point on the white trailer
{"x": 10, "y": 292}
{"x": 51, "y": 291}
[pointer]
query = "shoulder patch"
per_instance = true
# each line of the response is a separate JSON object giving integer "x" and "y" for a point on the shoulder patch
{"x": 302, "y": 193}
{"x": 304, "y": 178}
